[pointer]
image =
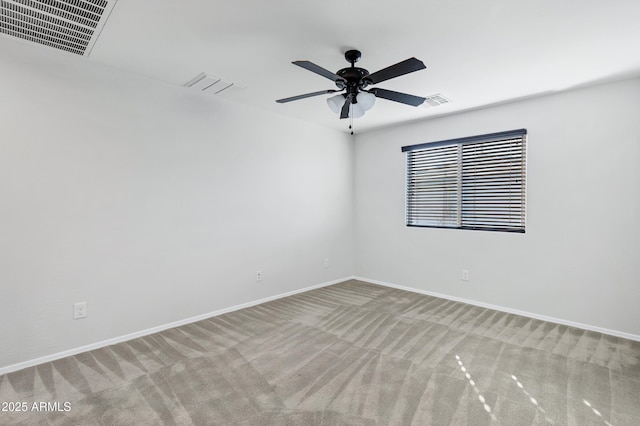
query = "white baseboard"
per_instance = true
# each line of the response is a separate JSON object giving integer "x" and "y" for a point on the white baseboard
{"x": 126, "y": 337}
{"x": 142, "y": 333}
{"x": 508, "y": 310}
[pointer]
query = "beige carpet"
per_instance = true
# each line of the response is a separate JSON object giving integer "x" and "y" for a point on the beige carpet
{"x": 349, "y": 354}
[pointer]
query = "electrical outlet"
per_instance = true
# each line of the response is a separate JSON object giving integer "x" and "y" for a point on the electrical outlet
{"x": 79, "y": 310}
{"x": 325, "y": 263}
{"x": 465, "y": 275}
{"x": 258, "y": 275}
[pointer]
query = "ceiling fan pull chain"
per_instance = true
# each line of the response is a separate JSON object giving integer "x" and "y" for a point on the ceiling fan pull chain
{"x": 351, "y": 125}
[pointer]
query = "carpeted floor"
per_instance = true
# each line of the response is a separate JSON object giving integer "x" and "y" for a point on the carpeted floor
{"x": 349, "y": 354}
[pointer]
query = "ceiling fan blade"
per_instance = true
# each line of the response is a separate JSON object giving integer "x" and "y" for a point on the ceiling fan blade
{"x": 306, "y": 95}
{"x": 403, "y": 98}
{"x": 318, "y": 70}
{"x": 401, "y": 68}
{"x": 344, "y": 112}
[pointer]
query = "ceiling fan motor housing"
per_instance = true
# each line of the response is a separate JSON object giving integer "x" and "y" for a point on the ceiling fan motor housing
{"x": 354, "y": 76}
{"x": 355, "y": 79}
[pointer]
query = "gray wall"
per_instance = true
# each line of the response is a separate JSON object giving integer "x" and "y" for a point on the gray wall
{"x": 578, "y": 261}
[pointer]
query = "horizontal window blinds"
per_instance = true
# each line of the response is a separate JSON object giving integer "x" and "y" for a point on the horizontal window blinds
{"x": 469, "y": 183}
{"x": 433, "y": 186}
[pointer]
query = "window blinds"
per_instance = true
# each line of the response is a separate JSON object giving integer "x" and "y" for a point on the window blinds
{"x": 469, "y": 183}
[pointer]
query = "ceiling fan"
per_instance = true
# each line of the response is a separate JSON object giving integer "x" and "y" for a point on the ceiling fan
{"x": 354, "y": 81}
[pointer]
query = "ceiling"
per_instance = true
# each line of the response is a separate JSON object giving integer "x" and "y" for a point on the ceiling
{"x": 476, "y": 53}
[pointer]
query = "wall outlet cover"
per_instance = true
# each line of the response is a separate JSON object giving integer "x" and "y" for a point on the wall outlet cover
{"x": 79, "y": 310}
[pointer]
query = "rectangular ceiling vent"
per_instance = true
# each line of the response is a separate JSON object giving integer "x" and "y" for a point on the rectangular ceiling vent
{"x": 213, "y": 85}
{"x": 69, "y": 25}
{"x": 436, "y": 100}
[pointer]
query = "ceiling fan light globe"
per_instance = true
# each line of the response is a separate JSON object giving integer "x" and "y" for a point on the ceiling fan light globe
{"x": 356, "y": 111}
{"x": 366, "y": 100}
{"x": 335, "y": 103}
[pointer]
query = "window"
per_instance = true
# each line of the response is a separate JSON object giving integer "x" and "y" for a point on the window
{"x": 476, "y": 182}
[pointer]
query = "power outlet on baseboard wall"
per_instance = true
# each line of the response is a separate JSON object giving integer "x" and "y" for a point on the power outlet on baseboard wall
{"x": 465, "y": 275}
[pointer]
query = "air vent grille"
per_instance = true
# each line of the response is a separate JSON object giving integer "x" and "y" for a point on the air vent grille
{"x": 436, "y": 100}
{"x": 213, "y": 85}
{"x": 69, "y": 25}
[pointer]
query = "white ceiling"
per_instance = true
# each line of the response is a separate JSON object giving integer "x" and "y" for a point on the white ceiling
{"x": 476, "y": 52}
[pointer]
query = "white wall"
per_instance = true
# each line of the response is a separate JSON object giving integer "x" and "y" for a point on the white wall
{"x": 152, "y": 203}
{"x": 155, "y": 204}
{"x": 579, "y": 258}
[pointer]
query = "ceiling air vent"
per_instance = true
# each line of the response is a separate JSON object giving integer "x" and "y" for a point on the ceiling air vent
{"x": 69, "y": 25}
{"x": 436, "y": 100}
{"x": 213, "y": 85}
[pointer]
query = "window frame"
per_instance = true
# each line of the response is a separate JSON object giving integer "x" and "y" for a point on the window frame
{"x": 465, "y": 172}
